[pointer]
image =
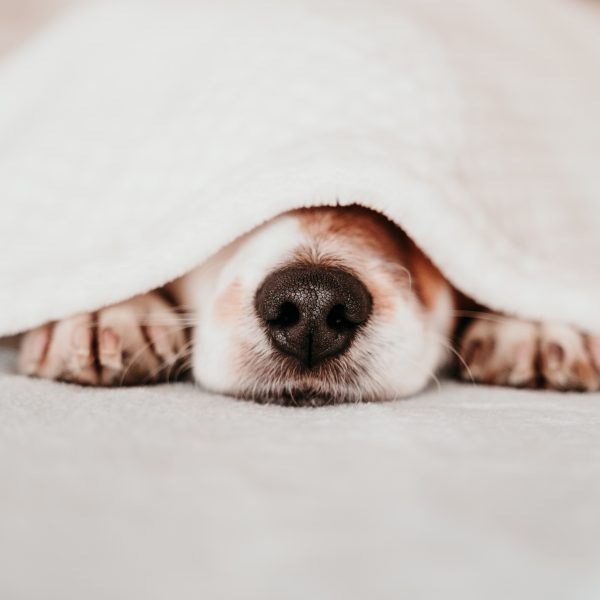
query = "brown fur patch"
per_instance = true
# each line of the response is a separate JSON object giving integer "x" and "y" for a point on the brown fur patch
{"x": 364, "y": 228}
{"x": 428, "y": 281}
{"x": 364, "y": 231}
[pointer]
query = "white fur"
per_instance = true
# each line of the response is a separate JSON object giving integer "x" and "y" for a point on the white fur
{"x": 248, "y": 261}
{"x": 396, "y": 357}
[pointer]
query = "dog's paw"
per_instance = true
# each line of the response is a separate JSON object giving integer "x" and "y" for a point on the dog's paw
{"x": 506, "y": 351}
{"x": 569, "y": 360}
{"x": 141, "y": 340}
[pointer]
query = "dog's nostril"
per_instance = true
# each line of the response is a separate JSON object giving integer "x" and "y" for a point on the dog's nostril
{"x": 338, "y": 319}
{"x": 312, "y": 313}
{"x": 287, "y": 316}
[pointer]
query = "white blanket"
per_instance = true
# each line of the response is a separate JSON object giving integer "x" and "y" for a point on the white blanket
{"x": 138, "y": 138}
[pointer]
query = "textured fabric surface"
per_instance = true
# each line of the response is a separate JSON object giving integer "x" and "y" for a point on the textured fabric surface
{"x": 136, "y": 138}
{"x": 164, "y": 492}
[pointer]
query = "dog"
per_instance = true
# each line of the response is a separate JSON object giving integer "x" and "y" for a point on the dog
{"x": 317, "y": 306}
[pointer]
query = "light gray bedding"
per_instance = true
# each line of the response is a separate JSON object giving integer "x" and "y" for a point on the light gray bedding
{"x": 166, "y": 492}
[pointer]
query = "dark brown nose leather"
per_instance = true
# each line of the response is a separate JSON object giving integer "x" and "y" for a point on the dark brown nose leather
{"x": 312, "y": 313}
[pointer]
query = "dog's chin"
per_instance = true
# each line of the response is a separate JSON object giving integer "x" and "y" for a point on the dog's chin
{"x": 266, "y": 377}
{"x": 283, "y": 381}
{"x": 321, "y": 387}
{"x": 296, "y": 393}
{"x": 304, "y": 396}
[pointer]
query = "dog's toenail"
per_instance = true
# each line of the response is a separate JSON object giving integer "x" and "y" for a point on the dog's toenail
{"x": 110, "y": 350}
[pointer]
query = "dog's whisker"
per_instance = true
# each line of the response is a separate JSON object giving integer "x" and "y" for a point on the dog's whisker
{"x": 132, "y": 360}
{"x": 445, "y": 344}
{"x": 182, "y": 356}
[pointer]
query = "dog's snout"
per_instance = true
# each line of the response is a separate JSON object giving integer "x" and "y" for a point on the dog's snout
{"x": 312, "y": 313}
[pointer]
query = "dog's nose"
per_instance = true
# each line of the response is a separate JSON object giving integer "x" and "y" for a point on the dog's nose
{"x": 312, "y": 313}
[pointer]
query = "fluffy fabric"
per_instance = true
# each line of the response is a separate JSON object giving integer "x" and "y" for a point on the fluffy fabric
{"x": 138, "y": 138}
